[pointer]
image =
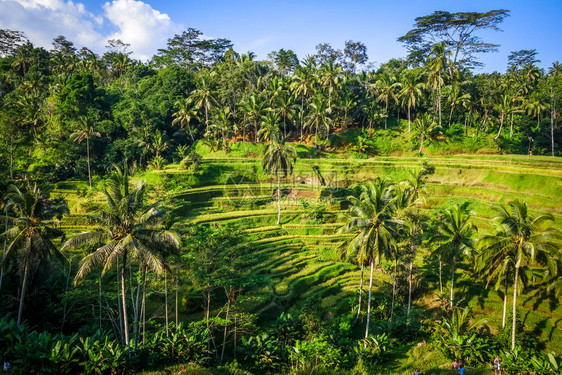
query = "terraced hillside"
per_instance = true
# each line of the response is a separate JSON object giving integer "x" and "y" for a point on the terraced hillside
{"x": 301, "y": 258}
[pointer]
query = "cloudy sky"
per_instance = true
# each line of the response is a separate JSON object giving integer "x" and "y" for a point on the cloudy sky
{"x": 267, "y": 25}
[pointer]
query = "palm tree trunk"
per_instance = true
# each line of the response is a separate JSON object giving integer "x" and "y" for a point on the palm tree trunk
{"x": 552, "y": 116}
{"x": 504, "y": 304}
{"x": 421, "y": 144}
{"x": 143, "y": 308}
{"x": 177, "y": 287}
{"x": 440, "y": 277}
{"x": 4, "y": 251}
{"x": 302, "y": 114}
{"x": 119, "y": 304}
{"x": 439, "y": 98}
{"x": 453, "y": 279}
{"x": 225, "y": 327}
{"x": 410, "y": 288}
{"x": 125, "y": 322}
{"x": 166, "y": 301}
{"x": 99, "y": 291}
{"x": 386, "y": 118}
{"x": 278, "y": 200}
{"x": 501, "y": 126}
{"x": 511, "y": 126}
{"x": 409, "y": 127}
{"x": 23, "y": 288}
{"x": 514, "y": 320}
{"x": 88, "y": 154}
{"x": 393, "y": 289}
{"x": 369, "y": 300}
{"x": 360, "y": 291}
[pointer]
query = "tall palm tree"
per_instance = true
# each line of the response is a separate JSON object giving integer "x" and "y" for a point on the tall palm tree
{"x": 204, "y": 96}
{"x": 371, "y": 217}
{"x": 424, "y": 126}
{"x": 385, "y": 88}
{"x": 33, "y": 228}
{"x": 535, "y": 107}
{"x": 303, "y": 85}
{"x": 269, "y": 130}
{"x": 524, "y": 241}
{"x": 126, "y": 229}
{"x": 504, "y": 108}
{"x": 330, "y": 78}
{"x": 278, "y": 159}
{"x": 437, "y": 65}
{"x": 85, "y": 132}
{"x": 185, "y": 113}
{"x": 554, "y": 72}
{"x": 411, "y": 94}
{"x": 318, "y": 116}
{"x": 455, "y": 237}
{"x": 254, "y": 110}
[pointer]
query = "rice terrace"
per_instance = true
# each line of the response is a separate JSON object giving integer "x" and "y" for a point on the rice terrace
{"x": 190, "y": 208}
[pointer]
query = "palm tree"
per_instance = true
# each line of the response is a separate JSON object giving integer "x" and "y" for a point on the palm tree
{"x": 455, "y": 239}
{"x": 285, "y": 108}
{"x": 411, "y": 94}
{"x": 159, "y": 144}
{"x": 278, "y": 160}
{"x": 385, "y": 90}
{"x": 127, "y": 229}
{"x": 32, "y": 230}
{"x": 85, "y": 132}
{"x": 203, "y": 96}
{"x": 254, "y": 109}
{"x": 535, "y": 107}
{"x": 330, "y": 74}
{"x": 554, "y": 83}
{"x": 525, "y": 242}
{"x": 424, "y": 125}
{"x": 504, "y": 108}
{"x": 370, "y": 216}
{"x": 437, "y": 65}
{"x": 318, "y": 117}
{"x": 185, "y": 113}
{"x": 269, "y": 130}
{"x": 456, "y": 99}
{"x": 303, "y": 83}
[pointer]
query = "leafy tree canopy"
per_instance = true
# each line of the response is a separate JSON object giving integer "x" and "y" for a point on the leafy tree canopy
{"x": 457, "y": 30}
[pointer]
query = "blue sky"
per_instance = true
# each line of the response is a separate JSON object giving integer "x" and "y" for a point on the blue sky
{"x": 267, "y": 25}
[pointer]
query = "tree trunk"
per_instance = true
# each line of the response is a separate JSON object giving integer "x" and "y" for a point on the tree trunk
{"x": 410, "y": 287}
{"x": 143, "y": 308}
{"x": 125, "y": 322}
{"x": 501, "y": 126}
{"x": 4, "y": 251}
{"x": 88, "y": 154}
{"x": 119, "y": 304}
{"x": 552, "y": 115}
{"x": 225, "y": 326}
{"x": 453, "y": 279}
{"x": 99, "y": 290}
{"x": 439, "y": 98}
{"x": 440, "y": 277}
{"x": 360, "y": 291}
{"x": 23, "y": 288}
{"x": 421, "y": 144}
{"x": 369, "y": 299}
{"x": 409, "y": 127}
{"x": 386, "y": 118}
{"x": 302, "y": 115}
{"x": 504, "y": 304}
{"x": 177, "y": 287}
{"x": 511, "y": 126}
{"x": 278, "y": 200}
{"x": 514, "y": 320}
{"x": 166, "y": 301}
{"x": 393, "y": 288}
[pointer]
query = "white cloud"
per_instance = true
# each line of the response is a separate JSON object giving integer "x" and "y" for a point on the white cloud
{"x": 134, "y": 22}
{"x": 43, "y": 20}
{"x": 143, "y": 27}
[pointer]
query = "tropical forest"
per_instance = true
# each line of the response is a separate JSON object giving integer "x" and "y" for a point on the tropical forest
{"x": 205, "y": 211}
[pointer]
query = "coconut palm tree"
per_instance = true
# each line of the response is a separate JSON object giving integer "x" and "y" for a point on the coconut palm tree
{"x": 254, "y": 110}
{"x": 185, "y": 113}
{"x": 455, "y": 238}
{"x": 411, "y": 94}
{"x": 85, "y": 132}
{"x": 204, "y": 96}
{"x": 318, "y": 116}
{"x": 269, "y": 130}
{"x": 371, "y": 217}
{"x": 33, "y": 228}
{"x": 424, "y": 126}
{"x": 126, "y": 229}
{"x": 385, "y": 87}
{"x": 437, "y": 65}
{"x": 303, "y": 85}
{"x": 524, "y": 241}
{"x": 278, "y": 159}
